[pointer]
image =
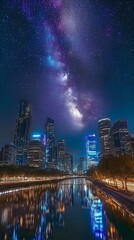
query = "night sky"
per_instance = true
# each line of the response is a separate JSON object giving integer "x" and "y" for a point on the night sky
{"x": 73, "y": 59}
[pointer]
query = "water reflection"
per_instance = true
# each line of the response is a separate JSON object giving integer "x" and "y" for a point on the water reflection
{"x": 37, "y": 213}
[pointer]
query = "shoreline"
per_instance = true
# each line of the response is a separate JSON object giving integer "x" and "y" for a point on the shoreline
{"x": 123, "y": 200}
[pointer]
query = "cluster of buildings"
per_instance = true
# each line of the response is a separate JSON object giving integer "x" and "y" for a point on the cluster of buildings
{"x": 115, "y": 138}
{"x": 42, "y": 150}
{"x": 38, "y": 150}
{"x": 91, "y": 158}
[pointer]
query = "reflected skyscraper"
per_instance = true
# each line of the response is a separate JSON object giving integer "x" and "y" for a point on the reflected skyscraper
{"x": 42, "y": 211}
{"x": 22, "y": 130}
{"x": 97, "y": 218}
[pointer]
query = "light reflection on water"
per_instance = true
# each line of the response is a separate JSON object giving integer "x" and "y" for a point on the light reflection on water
{"x": 58, "y": 211}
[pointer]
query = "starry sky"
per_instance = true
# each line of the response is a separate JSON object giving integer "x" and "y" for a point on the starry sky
{"x": 74, "y": 60}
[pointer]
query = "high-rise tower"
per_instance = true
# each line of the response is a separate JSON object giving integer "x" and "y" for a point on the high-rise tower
{"x": 22, "y": 129}
{"x": 50, "y": 143}
{"x": 104, "y": 136}
{"x": 120, "y": 142}
{"x": 91, "y": 152}
{"x": 61, "y": 153}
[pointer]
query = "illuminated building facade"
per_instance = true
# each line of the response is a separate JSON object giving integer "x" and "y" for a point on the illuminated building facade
{"x": 120, "y": 143}
{"x": 36, "y": 154}
{"x": 50, "y": 144}
{"x": 104, "y": 126}
{"x": 132, "y": 144}
{"x": 97, "y": 218}
{"x": 39, "y": 137}
{"x": 22, "y": 131}
{"x": 91, "y": 152}
{"x": 9, "y": 154}
{"x": 61, "y": 153}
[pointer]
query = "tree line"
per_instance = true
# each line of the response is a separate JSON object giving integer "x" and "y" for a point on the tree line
{"x": 26, "y": 171}
{"x": 114, "y": 168}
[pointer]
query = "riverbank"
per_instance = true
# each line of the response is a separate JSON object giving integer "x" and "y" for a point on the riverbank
{"x": 5, "y": 186}
{"x": 123, "y": 199}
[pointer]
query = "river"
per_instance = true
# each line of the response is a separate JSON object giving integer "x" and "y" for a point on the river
{"x": 72, "y": 209}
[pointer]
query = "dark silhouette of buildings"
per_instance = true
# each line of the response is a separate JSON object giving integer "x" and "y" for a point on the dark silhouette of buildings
{"x": 9, "y": 154}
{"x": 68, "y": 163}
{"x": 22, "y": 131}
{"x": 50, "y": 144}
{"x": 120, "y": 139}
{"x": 61, "y": 153}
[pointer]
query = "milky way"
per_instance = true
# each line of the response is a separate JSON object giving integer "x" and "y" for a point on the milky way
{"x": 73, "y": 59}
{"x": 56, "y": 27}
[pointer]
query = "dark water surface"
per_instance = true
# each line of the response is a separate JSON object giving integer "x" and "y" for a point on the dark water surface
{"x": 69, "y": 210}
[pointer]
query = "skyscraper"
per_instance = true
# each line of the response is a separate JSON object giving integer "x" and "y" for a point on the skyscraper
{"x": 91, "y": 152}
{"x": 68, "y": 163}
{"x": 50, "y": 143}
{"x": 104, "y": 136}
{"x": 132, "y": 144}
{"x": 61, "y": 152}
{"x": 36, "y": 154}
{"x": 82, "y": 166}
{"x": 22, "y": 130}
{"x": 9, "y": 154}
{"x": 83, "y": 163}
{"x": 120, "y": 142}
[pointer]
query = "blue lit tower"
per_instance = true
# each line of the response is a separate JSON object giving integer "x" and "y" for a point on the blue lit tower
{"x": 91, "y": 154}
{"x": 22, "y": 130}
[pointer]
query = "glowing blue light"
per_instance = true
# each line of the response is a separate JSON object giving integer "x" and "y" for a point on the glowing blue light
{"x": 36, "y": 135}
{"x": 97, "y": 219}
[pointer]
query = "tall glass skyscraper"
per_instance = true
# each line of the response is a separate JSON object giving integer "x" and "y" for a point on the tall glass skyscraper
{"x": 120, "y": 142}
{"x": 61, "y": 153}
{"x": 50, "y": 143}
{"x": 22, "y": 130}
{"x": 23, "y": 125}
{"x": 104, "y": 136}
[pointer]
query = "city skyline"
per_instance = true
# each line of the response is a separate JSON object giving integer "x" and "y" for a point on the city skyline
{"x": 66, "y": 119}
{"x": 45, "y": 150}
{"x": 25, "y": 108}
{"x": 44, "y": 59}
